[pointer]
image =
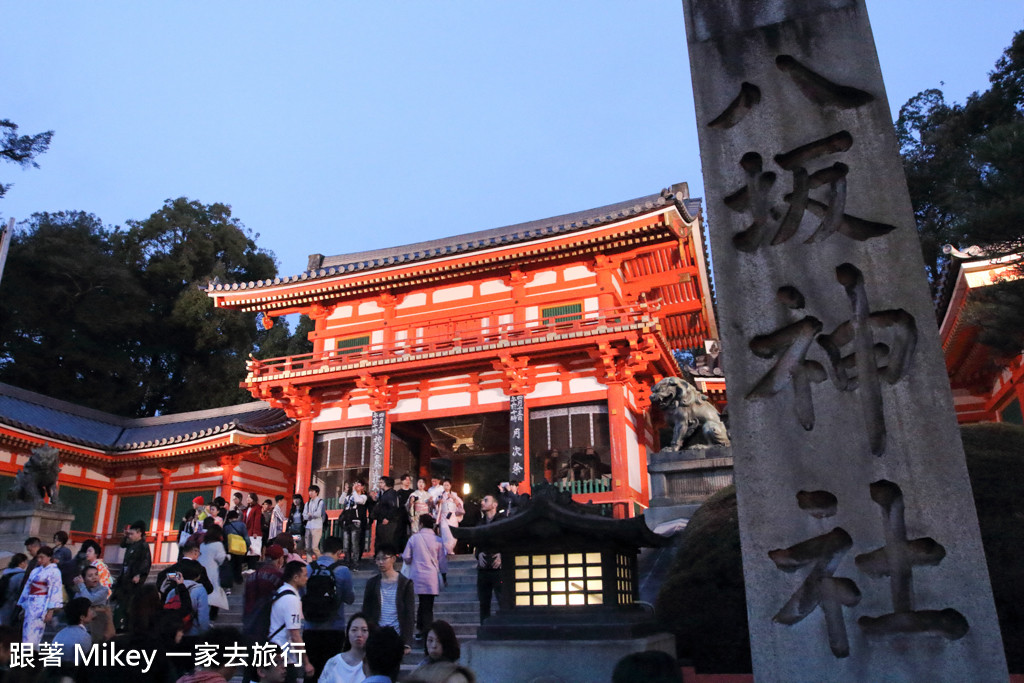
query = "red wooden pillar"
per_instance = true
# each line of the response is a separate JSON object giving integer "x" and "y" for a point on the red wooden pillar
{"x": 617, "y": 428}
{"x": 304, "y": 457}
{"x": 164, "y": 505}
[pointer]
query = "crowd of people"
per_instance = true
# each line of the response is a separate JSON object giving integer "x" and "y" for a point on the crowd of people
{"x": 297, "y": 586}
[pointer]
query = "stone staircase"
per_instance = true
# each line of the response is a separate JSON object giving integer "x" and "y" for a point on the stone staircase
{"x": 457, "y": 604}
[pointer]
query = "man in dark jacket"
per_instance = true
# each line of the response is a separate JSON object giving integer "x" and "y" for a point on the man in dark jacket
{"x": 388, "y": 514}
{"x": 134, "y": 570}
{"x": 189, "y": 558}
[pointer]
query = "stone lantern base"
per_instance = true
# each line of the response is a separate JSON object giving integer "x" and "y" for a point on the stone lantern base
{"x": 19, "y": 521}
{"x": 572, "y": 661}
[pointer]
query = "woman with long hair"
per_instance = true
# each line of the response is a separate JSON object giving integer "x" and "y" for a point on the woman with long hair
{"x": 348, "y": 666}
{"x": 440, "y": 645}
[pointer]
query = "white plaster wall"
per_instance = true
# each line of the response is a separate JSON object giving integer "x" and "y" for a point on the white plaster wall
{"x": 328, "y": 414}
{"x": 341, "y": 312}
{"x": 544, "y": 389}
{"x": 408, "y": 405}
{"x": 377, "y": 337}
{"x": 369, "y": 307}
{"x": 544, "y": 277}
{"x": 577, "y": 273}
{"x": 459, "y": 400}
{"x": 590, "y": 305}
{"x": 633, "y": 460}
{"x": 413, "y": 300}
{"x": 491, "y": 396}
{"x": 582, "y": 384}
{"x": 453, "y": 293}
{"x": 493, "y": 287}
{"x": 532, "y": 313}
{"x": 360, "y": 411}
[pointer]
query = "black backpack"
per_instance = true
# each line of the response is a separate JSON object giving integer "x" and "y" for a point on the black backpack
{"x": 321, "y": 600}
{"x": 257, "y": 624}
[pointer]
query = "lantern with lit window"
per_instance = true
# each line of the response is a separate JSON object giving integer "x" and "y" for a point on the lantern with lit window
{"x": 567, "y": 572}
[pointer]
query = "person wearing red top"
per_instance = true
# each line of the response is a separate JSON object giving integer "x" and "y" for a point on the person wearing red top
{"x": 252, "y": 517}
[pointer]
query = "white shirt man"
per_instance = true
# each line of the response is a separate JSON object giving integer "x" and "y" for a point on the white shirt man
{"x": 286, "y": 614}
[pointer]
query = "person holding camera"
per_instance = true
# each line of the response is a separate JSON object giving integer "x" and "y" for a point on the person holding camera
{"x": 353, "y": 522}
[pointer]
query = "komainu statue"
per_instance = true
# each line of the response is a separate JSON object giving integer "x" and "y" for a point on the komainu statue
{"x": 695, "y": 422}
{"x": 38, "y": 478}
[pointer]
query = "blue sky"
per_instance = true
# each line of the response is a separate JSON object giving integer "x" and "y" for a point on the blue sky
{"x": 337, "y": 126}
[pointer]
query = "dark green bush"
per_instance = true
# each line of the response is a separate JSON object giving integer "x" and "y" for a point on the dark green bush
{"x": 703, "y": 600}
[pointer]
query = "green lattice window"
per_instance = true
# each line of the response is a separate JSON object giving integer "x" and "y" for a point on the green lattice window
{"x": 83, "y": 503}
{"x": 553, "y": 315}
{"x": 133, "y": 508}
{"x": 353, "y": 344}
{"x": 183, "y": 501}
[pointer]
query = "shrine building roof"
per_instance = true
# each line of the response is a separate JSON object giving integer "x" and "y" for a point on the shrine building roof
{"x": 320, "y": 266}
{"x": 53, "y": 418}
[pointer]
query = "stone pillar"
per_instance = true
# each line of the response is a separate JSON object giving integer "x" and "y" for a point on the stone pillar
{"x": 861, "y": 551}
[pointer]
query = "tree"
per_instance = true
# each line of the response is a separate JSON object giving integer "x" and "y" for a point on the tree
{"x": 195, "y": 353}
{"x": 70, "y": 312}
{"x": 118, "y": 319}
{"x": 965, "y": 163}
{"x": 21, "y": 149}
{"x": 965, "y": 170}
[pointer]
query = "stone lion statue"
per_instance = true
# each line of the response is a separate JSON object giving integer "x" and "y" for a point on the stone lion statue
{"x": 38, "y": 478}
{"x": 695, "y": 422}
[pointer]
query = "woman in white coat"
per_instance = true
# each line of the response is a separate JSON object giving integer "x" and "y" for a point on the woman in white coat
{"x": 212, "y": 555}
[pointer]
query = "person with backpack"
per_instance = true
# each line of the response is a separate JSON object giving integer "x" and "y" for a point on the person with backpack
{"x": 186, "y": 597}
{"x": 260, "y": 588}
{"x": 11, "y": 582}
{"x": 286, "y": 617}
{"x": 328, "y": 590}
{"x": 238, "y": 543}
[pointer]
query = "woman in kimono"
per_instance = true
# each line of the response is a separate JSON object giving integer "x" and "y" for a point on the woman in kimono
{"x": 449, "y": 513}
{"x": 40, "y": 596}
{"x": 419, "y": 504}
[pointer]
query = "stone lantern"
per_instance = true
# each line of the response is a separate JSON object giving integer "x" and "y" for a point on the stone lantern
{"x": 569, "y": 592}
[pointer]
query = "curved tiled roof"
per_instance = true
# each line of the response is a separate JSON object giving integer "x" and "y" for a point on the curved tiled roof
{"x": 320, "y": 267}
{"x": 58, "y": 419}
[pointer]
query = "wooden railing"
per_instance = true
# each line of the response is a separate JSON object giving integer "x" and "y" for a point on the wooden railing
{"x": 460, "y": 335}
{"x": 584, "y": 486}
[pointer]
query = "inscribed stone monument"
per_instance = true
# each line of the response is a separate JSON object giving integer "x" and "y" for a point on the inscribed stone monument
{"x": 861, "y": 551}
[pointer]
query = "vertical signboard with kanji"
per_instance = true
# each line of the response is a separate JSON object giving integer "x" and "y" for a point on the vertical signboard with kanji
{"x": 861, "y": 551}
{"x": 378, "y": 425}
{"x": 516, "y": 437}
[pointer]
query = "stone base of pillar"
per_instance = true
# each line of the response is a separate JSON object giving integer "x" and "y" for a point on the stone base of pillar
{"x": 572, "y": 661}
{"x": 19, "y": 521}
